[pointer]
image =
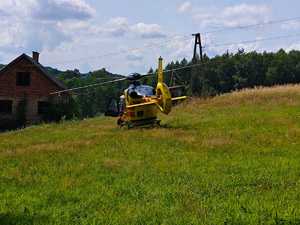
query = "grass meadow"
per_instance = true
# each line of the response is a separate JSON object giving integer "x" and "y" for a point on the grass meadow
{"x": 233, "y": 159}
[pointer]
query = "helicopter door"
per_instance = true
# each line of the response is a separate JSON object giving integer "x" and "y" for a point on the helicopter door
{"x": 122, "y": 105}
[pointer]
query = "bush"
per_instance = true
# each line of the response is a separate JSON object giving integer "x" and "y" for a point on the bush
{"x": 61, "y": 110}
{"x": 8, "y": 124}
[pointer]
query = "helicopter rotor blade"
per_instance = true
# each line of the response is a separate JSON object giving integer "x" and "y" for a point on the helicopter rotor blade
{"x": 88, "y": 86}
{"x": 129, "y": 78}
{"x": 137, "y": 76}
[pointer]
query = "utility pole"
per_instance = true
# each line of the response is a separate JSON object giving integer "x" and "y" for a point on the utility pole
{"x": 198, "y": 42}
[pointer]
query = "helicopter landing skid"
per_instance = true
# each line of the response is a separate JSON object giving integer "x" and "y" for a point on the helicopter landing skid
{"x": 149, "y": 123}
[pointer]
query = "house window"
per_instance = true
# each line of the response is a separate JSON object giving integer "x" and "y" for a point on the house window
{"x": 43, "y": 107}
{"x": 6, "y": 107}
{"x": 23, "y": 79}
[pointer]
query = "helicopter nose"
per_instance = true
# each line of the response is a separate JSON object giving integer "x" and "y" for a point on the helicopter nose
{"x": 134, "y": 94}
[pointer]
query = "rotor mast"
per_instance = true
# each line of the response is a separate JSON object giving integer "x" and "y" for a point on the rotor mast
{"x": 160, "y": 70}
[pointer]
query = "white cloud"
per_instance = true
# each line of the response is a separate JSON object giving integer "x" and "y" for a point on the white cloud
{"x": 11, "y": 8}
{"x": 3, "y": 14}
{"x": 5, "y": 38}
{"x": 247, "y": 9}
{"x": 135, "y": 55}
{"x": 38, "y": 24}
{"x": 184, "y": 7}
{"x": 118, "y": 26}
{"x": 180, "y": 47}
{"x": 57, "y": 10}
{"x": 63, "y": 29}
{"x": 295, "y": 46}
{"x": 73, "y": 27}
{"x": 233, "y": 16}
{"x": 291, "y": 25}
{"x": 148, "y": 30}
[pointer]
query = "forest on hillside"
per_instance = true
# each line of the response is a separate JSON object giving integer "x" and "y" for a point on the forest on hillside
{"x": 229, "y": 72}
{"x": 213, "y": 76}
{"x": 88, "y": 102}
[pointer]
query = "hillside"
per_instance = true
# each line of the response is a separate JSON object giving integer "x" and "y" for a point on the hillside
{"x": 233, "y": 159}
{"x": 72, "y": 74}
{"x": 65, "y": 75}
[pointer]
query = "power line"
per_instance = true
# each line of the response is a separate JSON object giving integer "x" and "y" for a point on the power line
{"x": 119, "y": 80}
{"x": 120, "y": 52}
{"x": 123, "y": 79}
{"x": 253, "y": 25}
{"x": 171, "y": 37}
{"x": 170, "y": 70}
{"x": 87, "y": 86}
{"x": 181, "y": 68}
{"x": 256, "y": 40}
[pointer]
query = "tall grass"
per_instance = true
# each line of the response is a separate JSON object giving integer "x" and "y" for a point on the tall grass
{"x": 233, "y": 159}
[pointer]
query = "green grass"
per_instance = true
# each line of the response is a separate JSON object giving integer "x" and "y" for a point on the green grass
{"x": 234, "y": 159}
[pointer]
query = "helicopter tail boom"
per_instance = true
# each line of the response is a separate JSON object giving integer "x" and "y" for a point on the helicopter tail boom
{"x": 179, "y": 98}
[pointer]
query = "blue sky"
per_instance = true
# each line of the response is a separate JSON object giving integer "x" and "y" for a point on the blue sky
{"x": 129, "y": 35}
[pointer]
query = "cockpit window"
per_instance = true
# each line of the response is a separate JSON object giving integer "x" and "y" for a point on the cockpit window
{"x": 142, "y": 90}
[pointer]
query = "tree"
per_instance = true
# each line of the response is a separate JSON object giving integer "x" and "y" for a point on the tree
{"x": 220, "y": 74}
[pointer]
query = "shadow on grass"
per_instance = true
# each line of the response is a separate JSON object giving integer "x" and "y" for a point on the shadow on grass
{"x": 170, "y": 126}
{"x": 275, "y": 220}
{"x": 22, "y": 219}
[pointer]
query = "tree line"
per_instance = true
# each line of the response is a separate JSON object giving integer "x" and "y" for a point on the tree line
{"x": 86, "y": 103}
{"x": 229, "y": 72}
{"x": 213, "y": 76}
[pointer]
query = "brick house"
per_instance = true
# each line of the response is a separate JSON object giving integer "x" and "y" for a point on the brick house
{"x": 25, "y": 78}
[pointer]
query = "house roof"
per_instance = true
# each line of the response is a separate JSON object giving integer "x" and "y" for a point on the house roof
{"x": 38, "y": 66}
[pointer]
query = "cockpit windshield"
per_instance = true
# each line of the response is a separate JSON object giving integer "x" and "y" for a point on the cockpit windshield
{"x": 142, "y": 90}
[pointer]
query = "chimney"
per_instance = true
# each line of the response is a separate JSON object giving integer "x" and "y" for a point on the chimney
{"x": 35, "y": 56}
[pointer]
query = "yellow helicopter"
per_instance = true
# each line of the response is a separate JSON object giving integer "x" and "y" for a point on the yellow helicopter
{"x": 140, "y": 104}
